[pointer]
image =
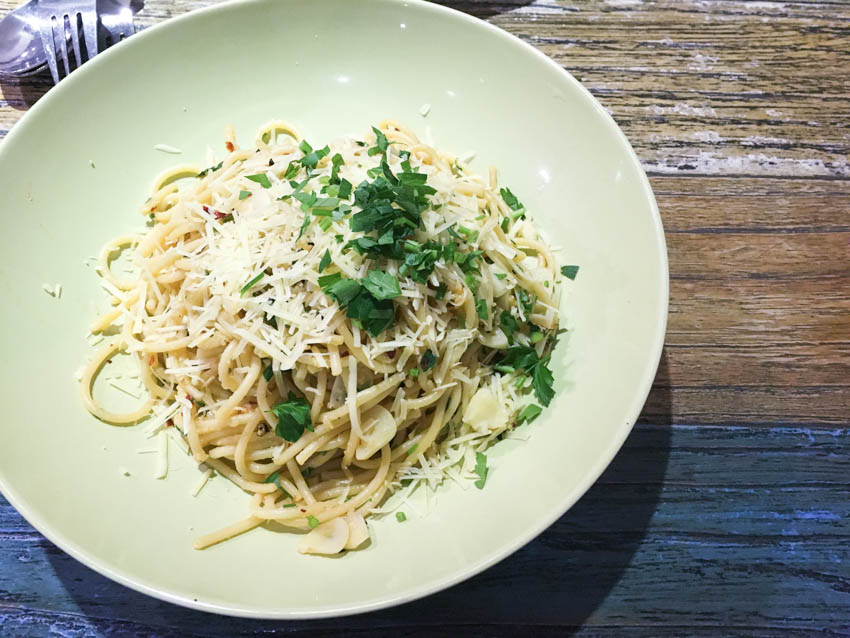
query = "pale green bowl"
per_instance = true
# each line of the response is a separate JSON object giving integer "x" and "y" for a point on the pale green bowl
{"x": 332, "y": 67}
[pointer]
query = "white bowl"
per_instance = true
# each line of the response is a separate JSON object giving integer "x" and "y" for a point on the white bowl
{"x": 75, "y": 169}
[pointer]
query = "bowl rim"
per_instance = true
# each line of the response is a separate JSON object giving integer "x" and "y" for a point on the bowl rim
{"x": 468, "y": 571}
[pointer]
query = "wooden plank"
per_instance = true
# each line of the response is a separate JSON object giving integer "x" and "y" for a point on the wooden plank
{"x": 716, "y": 205}
{"x": 689, "y": 527}
{"x": 730, "y": 256}
{"x": 752, "y": 312}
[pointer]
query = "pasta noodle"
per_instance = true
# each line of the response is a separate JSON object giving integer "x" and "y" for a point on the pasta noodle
{"x": 326, "y": 326}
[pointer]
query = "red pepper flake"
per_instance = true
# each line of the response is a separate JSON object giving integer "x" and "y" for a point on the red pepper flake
{"x": 218, "y": 214}
{"x": 303, "y": 510}
{"x": 152, "y": 360}
{"x": 229, "y": 146}
{"x": 188, "y": 398}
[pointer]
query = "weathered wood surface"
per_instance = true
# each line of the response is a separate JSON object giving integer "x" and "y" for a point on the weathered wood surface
{"x": 733, "y": 521}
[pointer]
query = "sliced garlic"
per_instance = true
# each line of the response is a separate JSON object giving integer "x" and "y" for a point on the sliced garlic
{"x": 358, "y": 532}
{"x": 329, "y": 537}
{"x": 378, "y": 427}
{"x": 485, "y": 412}
{"x": 495, "y": 339}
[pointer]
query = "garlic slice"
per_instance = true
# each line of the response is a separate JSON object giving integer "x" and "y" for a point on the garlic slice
{"x": 485, "y": 412}
{"x": 329, "y": 537}
{"x": 495, "y": 339}
{"x": 378, "y": 427}
{"x": 358, "y": 532}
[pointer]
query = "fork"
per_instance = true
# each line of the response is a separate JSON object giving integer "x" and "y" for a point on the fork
{"x": 60, "y": 18}
{"x": 116, "y": 18}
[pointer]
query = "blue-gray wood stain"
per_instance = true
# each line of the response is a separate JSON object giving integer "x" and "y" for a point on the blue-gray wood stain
{"x": 691, "y": 531}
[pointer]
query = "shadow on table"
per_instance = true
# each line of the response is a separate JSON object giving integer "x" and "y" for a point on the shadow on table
{"x": 22, "y": 93}
{"x": 560, "y": 579}
{"x": 484, "y": 8}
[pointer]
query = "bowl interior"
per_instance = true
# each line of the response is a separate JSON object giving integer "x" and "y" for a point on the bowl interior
{"x": 75, "y": 170}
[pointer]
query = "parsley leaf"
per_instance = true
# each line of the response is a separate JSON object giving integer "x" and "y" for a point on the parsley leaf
{"x": 293, "y": 416}
{"x": 529, "y": 413}
{"x": 336, "y": 162}
{"x": 340, "y": 289}
{"x": 569, "y": 272}
{"x": 261, "y": 178}
{"x": 541, "y": 381}
{"x": 312, "y": 521}
{"x": 511, "y": 200}
{"x": 428, "y": 360}
{"x": 400, "y": 517}
{"x": 326, "y": 260}
{"x": 292, "y": 170}
{"x": 304, "y": 226}
{"x": 211, "y": 169}
{"x": 268, "y": 373}
{"x": 344, "y": 189}
{"x": 381, "y": 284}
{"x": 413, "y": 372}
{"x": 525, "y": 358}
{"x": 481, "y": 469}
{"x": 375, "y": 315}
{"x": 251, "y": 283}
{"x": 441, "y": 291}
{"x": 381, "y": 143}
{"x": 244, "y": 195}
{"x": 274, "y": 477}
{"x": 481, "y": 309}
{"x": 311, "y": 157}
{"x": 508, "y": 324}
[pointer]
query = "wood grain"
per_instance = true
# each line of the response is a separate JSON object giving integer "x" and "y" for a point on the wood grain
{"x": 726, "y": 513}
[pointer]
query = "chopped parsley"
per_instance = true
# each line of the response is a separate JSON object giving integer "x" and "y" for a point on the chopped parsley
{"x": 381, "y": 143}
{"x": 326, "y": 260}
{"x": 481, "y": 309}
{"x": 244, "y": 195}
{"x": 413, "y": 372}
{"x": 374, "y": 314}
{"x": 261, "y": 178}
{"x": 211, "y": 169}
{"x": 400, "y": 517}
{"x": 525, "y": 358}
{"x": 251, "y": 283}
{"x": 441, "y": 291}
{"x": 312, "y": 521}
{"x": 569, "y": 272}
{"x": 311, "y": 158}
{"x": 268, "y": 373}
{"x": 529, "y": 413}
{"x": 481, "y": 469}
{"x": 500, "y": 275}
{"x": 344, "y": 191}
{"x": 274, "y": 477}
{"x": 292, "y": 170}
{"x": 293, "y": 416}
{"x": 336, "y": 162}
{"x": 428, "y": 360}
{"x": 509, "y": 325}
{"x": 382, "y": 285}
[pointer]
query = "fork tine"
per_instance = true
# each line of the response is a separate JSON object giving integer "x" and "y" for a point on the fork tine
{"x": 45, "y": 28}
{"x": 75, "y": 37}
{"x": 60, "y": 30}
{"x": 90, "y": 32}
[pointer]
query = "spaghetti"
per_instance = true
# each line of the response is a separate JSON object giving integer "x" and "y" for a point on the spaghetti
{"x": 323, "y": 326}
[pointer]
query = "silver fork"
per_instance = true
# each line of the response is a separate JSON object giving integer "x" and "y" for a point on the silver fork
{"x": 57, "y": 20}
{"x": 116, "y": 17}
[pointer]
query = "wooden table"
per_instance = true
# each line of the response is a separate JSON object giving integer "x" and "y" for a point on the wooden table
{"x": 728, "y": 510}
